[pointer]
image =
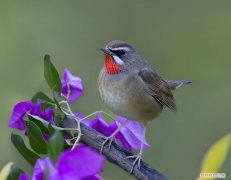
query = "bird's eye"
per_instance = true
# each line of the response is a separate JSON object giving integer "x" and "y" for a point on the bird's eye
{"x": 121, "y": 52}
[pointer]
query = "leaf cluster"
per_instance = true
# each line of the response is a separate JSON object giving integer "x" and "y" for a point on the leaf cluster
{"x": 43, "y": 138}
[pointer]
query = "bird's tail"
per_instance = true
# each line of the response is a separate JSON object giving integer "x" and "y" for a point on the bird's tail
{"x": 174, "y": 84}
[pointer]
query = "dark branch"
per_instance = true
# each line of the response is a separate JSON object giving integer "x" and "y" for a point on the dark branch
{"x": 116, "y": 154}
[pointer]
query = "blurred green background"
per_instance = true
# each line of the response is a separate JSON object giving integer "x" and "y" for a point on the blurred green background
{"x": 181, "y": 39}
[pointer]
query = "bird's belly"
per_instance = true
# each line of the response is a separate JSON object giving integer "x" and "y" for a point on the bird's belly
{"x": 116, "y": 101}
{"x": 133, "y": 104}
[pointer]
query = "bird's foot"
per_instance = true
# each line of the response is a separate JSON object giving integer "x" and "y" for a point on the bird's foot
{"x": 137, "y": 160}
{"x": 111, "y": 137}
{"x": 106, "y": 139}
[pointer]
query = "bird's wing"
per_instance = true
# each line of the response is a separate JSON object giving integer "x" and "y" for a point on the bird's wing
{"x": 157, "y": 88}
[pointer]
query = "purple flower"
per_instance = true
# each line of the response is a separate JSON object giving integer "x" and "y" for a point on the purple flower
{"x": 119, "y": 137}
{"x": 72, "y": 87}
{"x": 43, "y": 168}
{"x": 96, "y": 177}
{"x": 23, "y": 176}
{"x": 100, "y": 125}
{"x": 19, "y": 111}
{"x": 46, "y": 115}
{"x": 82, "y": 163}
{"x": 130, "y": 136}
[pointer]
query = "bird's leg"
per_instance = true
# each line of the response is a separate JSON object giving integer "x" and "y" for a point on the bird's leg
{"x": 111, "y": 137}
{"x": 138, "y": 157}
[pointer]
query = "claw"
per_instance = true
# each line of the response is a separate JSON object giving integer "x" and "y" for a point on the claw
{"x": 110, "y": 139}
{"x": 137, "y": 160}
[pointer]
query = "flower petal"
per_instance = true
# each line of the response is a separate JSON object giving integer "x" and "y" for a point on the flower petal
{"x": 96, "y": 177}
{"x": 19, "y": 111}
{"x": 100, "y": 125}
{"x": 119, "y": 137}
{"x": 23, "y": 176}
{"x": 42, "y": 168}
{"x": 82, "y": 162}
{"x": 72, "y": 86}
{"x": 132, "y": 133}
{"x": 46, "y": 115}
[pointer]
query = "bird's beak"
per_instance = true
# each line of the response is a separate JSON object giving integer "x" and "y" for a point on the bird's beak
{"x": 107, "y": 51}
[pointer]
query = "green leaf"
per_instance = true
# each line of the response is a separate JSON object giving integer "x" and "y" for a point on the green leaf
{"x": 58, "y": 117}
{"x": 35, "y": 119}
{"x": 52, "y": 75}
{"x": 58, "y": 114}
{"x": 216, "y": 155}
{"x": 47, "y": 105}
{"x": 35, "y": 136}
{"x": 56, "y": 101}
{"x": 14, "y": 173}
{"x": 51, "y": 130}
{"x": 55, "y": 146}
{"x": 42, "y": 96}
{"x": 45, "y": 123}
{"x": 29, "y": 155}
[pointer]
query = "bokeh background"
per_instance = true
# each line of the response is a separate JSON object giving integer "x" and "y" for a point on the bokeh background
{"x": 181, "y": 39}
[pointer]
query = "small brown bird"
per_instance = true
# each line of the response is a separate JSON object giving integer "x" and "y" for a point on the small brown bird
{"x": 130, "y": 87}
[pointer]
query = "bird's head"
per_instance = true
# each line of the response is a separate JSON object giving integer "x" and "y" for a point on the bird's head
{"x": 119, "y": 55}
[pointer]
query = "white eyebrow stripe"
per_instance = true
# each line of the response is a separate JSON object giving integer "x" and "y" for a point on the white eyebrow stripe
{"x": 121, "y": 48}
{"x": 118, "y": 60}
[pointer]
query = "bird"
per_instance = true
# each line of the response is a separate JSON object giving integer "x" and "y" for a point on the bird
{"x": 132, "y": 88}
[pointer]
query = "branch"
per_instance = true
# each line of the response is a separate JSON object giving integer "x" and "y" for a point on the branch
{"x": 116, "y": 154}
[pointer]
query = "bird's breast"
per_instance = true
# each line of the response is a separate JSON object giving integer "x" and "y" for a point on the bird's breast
{"x": 126, "y": 96}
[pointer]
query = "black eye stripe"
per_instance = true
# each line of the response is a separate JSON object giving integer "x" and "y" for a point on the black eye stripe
{"x": 119, "y": 52}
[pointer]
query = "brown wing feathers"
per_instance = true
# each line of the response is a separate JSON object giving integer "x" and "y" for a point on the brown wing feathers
{"x": 158, "y": 88}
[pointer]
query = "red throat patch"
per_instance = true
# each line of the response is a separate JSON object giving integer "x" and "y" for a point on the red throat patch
{"x": 110, "y": 66}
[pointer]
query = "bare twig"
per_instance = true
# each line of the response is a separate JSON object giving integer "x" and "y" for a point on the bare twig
{"x": 116, "y": 154}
